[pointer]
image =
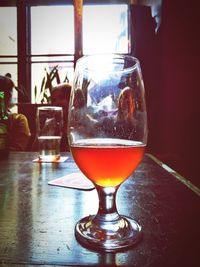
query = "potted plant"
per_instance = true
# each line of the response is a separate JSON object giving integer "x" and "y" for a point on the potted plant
{"x": 44, "y": 94}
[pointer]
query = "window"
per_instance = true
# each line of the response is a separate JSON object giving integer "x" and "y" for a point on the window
{"x": 105, "y": 29}
{"x": 49, "y": 39}
{"x": 52, "y": 44}
{"x": 8, "y": 43}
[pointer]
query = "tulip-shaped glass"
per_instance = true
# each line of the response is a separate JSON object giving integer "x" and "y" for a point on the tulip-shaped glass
{"x": 107, "y": 129}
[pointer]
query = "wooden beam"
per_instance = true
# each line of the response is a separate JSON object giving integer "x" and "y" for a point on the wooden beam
{"x": 78, "y": 19}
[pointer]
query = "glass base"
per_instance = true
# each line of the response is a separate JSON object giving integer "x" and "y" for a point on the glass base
{"x": 108, "y": 236}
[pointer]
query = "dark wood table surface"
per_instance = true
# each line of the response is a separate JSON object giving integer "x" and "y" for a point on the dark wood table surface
{"x": 37, "y": 220}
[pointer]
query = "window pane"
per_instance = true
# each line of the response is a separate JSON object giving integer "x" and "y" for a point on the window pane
{"x": 7, "y": 59}
{"x": 105, "y": 29}
{"x": 12, "y": 69}
{"x": 52, "y": 30}
{"x": 65, "y": 69}
{"x": 8, "y": 45}
{"x": 9, "y": 68}
{"x": 8, "y": 31}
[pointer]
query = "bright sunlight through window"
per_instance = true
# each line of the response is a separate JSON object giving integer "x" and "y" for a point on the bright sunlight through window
{"x": 105, "y": 29}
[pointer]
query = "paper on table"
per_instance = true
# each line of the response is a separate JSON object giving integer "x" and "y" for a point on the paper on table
{"x": 61, "y": 159}
{"x": 73, "y": 180}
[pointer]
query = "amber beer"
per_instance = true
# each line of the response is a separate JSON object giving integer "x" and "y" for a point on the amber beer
{"x": 107, "y": 162}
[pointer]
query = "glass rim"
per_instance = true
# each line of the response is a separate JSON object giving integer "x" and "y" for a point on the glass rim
{"x": 49, "y": 108}
{"x": 88, "y": 58}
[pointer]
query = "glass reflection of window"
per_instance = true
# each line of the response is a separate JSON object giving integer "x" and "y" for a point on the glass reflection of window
{"x": 105, "y": 29}
{"x": 60, "y": 209}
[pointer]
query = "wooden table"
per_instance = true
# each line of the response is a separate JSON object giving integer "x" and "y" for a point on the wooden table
{"x": 37, "y": 220}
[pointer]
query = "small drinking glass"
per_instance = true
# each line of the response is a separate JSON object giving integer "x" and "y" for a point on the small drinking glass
{"x": 49, "y": 132}
{"x": 107, "y": 129}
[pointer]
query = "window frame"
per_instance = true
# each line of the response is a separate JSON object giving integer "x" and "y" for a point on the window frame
{"x": 24, "y": 55}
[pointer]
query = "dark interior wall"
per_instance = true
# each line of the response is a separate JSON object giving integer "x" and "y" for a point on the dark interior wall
{"x": 180, "y": 67}
{"x": 146, "y": 46}
{"x": 170, "y": 66}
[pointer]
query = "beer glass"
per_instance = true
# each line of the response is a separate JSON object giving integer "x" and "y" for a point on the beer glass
{"x": 107, "y": 135}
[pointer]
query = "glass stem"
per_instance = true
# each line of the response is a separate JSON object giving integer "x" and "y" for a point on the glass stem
{"x": 107, "y": 204}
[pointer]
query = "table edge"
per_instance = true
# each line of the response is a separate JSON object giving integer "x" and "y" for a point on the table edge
{"x": 178, "y": 176}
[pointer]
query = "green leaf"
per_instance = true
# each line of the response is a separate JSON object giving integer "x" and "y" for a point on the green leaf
{"x": 66, "y": 79}
{"x": 35, "y": 93}
{"x": 57, "y": 77}
{"x": 45, "y": 96}
{"x": 52, "y": 73}
{"x": 42, "y": 84}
